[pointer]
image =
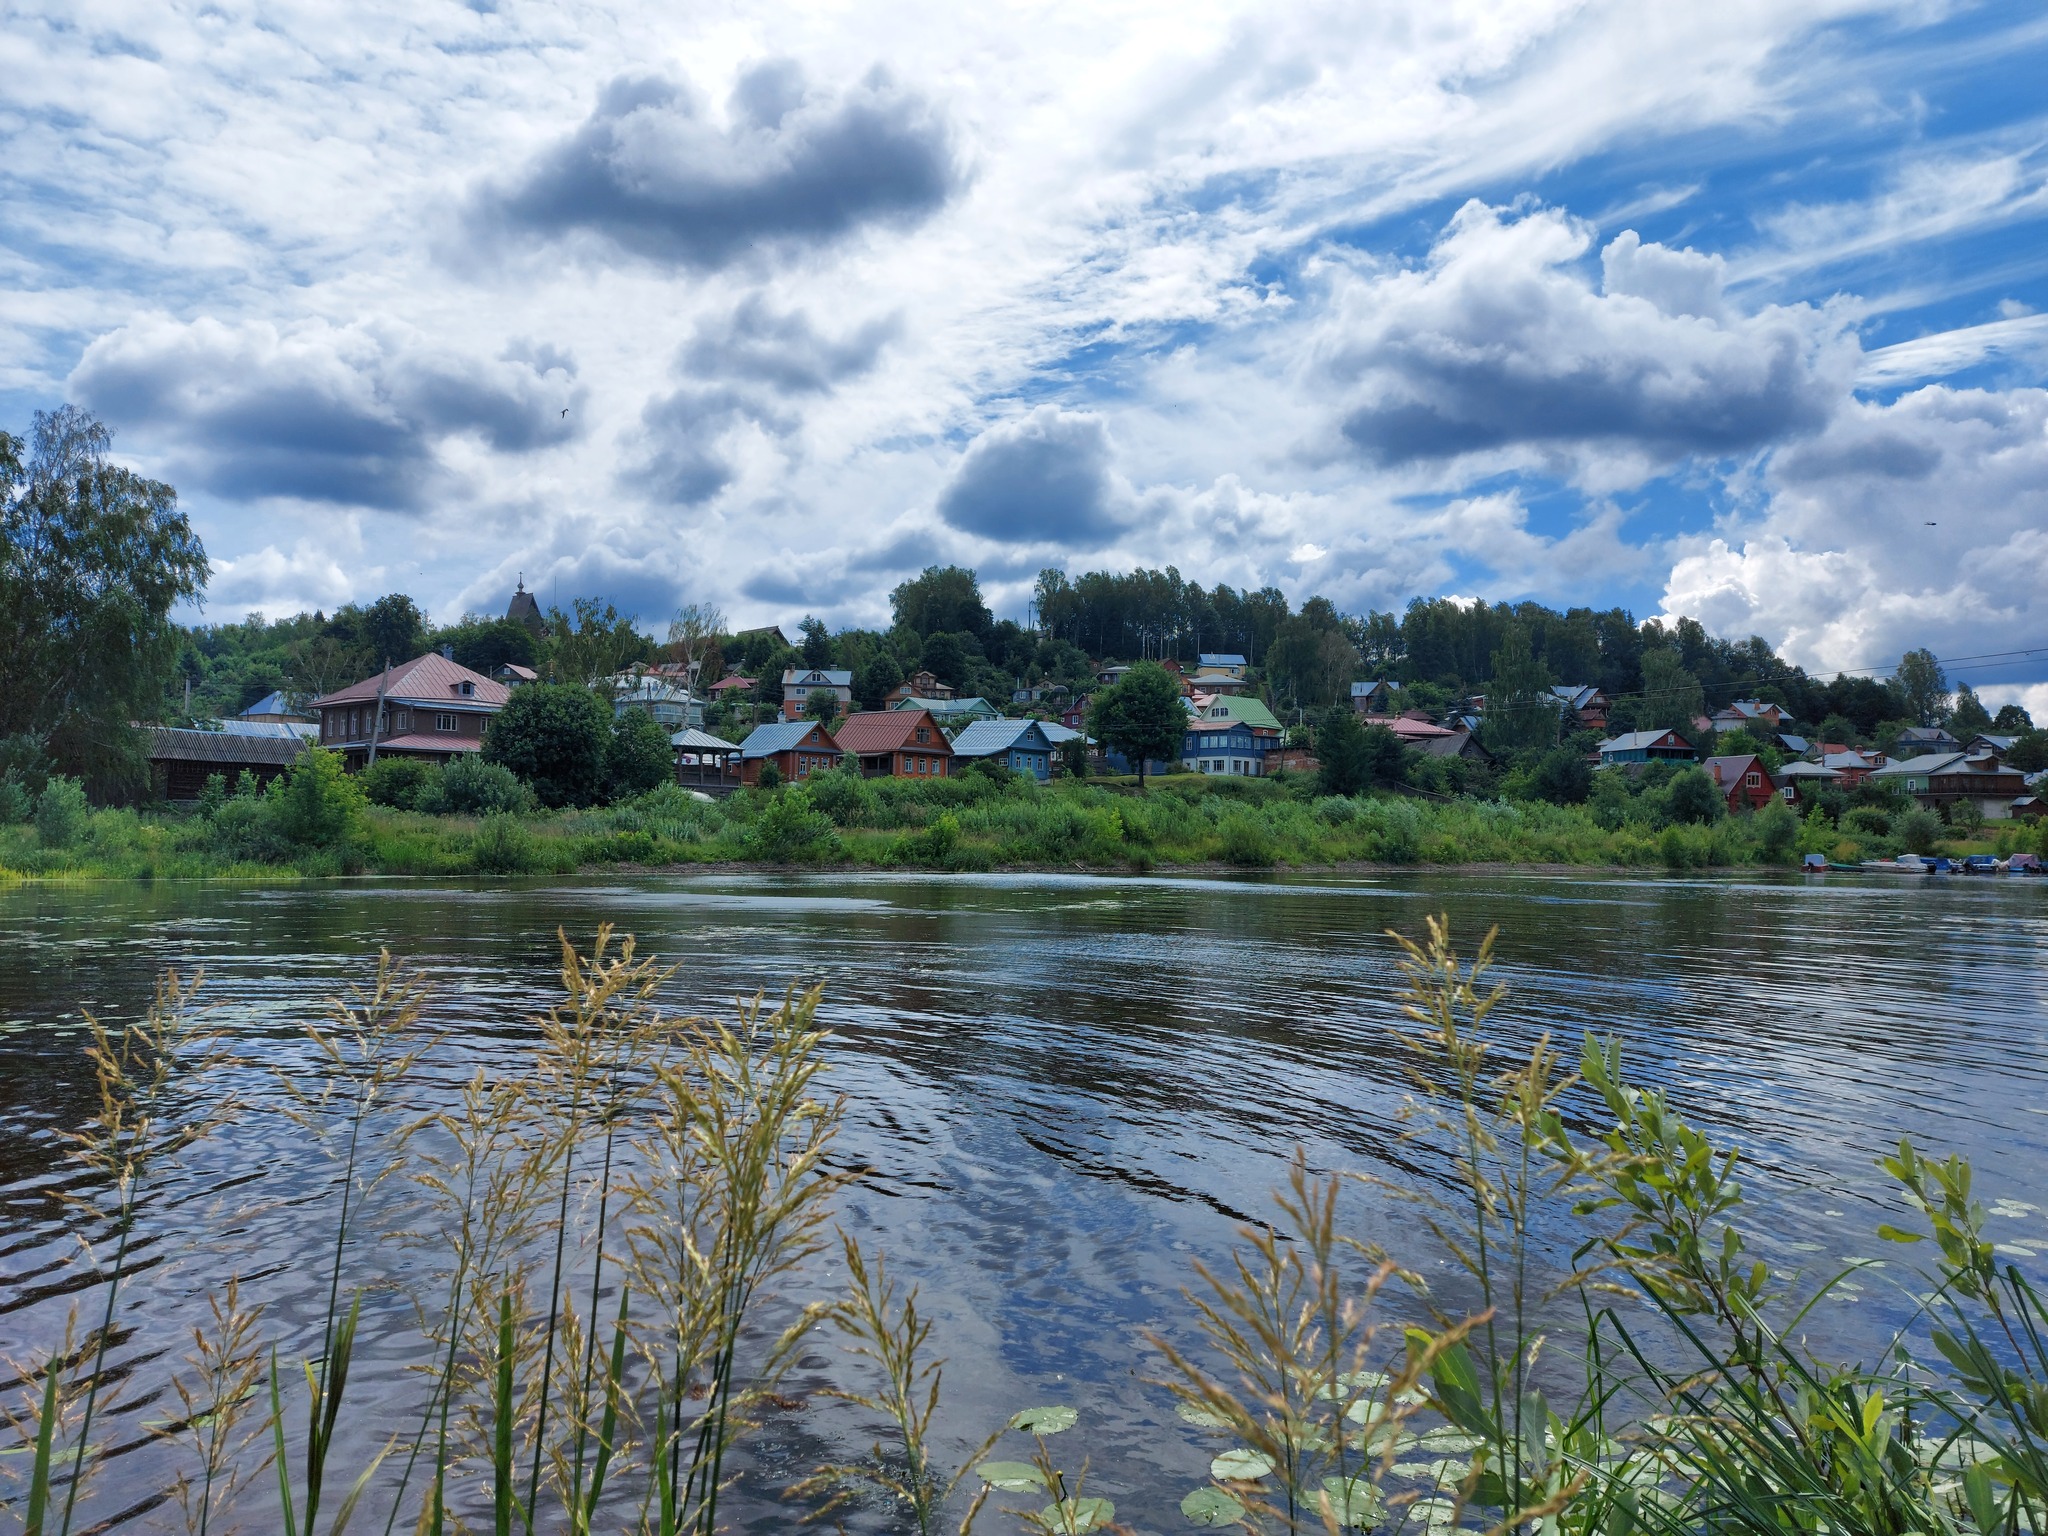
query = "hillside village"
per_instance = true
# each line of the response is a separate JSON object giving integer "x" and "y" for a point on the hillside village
{"x": 759, "y": 707}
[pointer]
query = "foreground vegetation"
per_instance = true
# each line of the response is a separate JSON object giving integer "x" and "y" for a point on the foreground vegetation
{"x": 619, "y": 1252}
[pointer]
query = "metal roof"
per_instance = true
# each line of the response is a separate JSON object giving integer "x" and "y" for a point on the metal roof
{"x": 985, "y": 738}
{"x": 272, "y": 703}
{"x": 1628, "y": 741}
{"x": 1219, "y": 659}
{"x": 167, "y": 744}
{"x": 431, "y": 679}
{"x": 887, "y": 730}
{"x": 690, "y": 739}
{"x": 780, "y": 736}
{"x": 301, "y": 730}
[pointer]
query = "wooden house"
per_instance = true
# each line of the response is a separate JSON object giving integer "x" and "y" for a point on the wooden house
{"x": 430, "y": 707}
{"x": 1745, "y": 783}
{"x": 897, "y": 744}
{"x": 797, "y": 748}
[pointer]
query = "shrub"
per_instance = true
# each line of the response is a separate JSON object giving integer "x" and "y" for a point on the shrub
{"x": 1867, "y": 819}
{"x": 1246, "y": 842}
{"x": 469, "y": 786}
{"x": 213, "y": 794}
{"x": 1562, "y": 777}
{"x": 771, "y": 775}
{"x": 554, "y": 737}
{"x": 936, "y": 844}
{"x": 60, "y": 812}
{"x": 503, "y": 846}
{"x": 316, "y": 803}
{"x": 638, "y": 756}
{"x": 1695, "y": 798}
{"x": 1777, "y": 831}
{"x": 403, "y": 783}
{"x": 1337, "y": 810}
{"x": 1398, "y": 825}
{"x": 1917, "y": 829}
{"x": 1684, "y": 846}
{"x": 792, "y": 830}
{"x": 844, "y": 795}
{"x": 16, "y": 803}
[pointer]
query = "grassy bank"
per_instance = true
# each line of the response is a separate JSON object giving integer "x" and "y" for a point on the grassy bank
{"x": 969, "y": 823}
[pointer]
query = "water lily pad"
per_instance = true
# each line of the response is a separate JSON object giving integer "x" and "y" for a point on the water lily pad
{"x": 1195, "y": 1413}
{"x": 1211, "y": 1506}
{"x": 1075, "y": 1515}
{"x": 1240, "y": 1466}
{"x": 1045, "y": 1421}
{"x": 1446, "y": 1439}
{"x": 1354, "y": 1502}
{"x": 1011, "y": 1476}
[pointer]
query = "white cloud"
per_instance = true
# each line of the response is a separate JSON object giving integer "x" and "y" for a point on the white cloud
{"x": 1921, "y": 522}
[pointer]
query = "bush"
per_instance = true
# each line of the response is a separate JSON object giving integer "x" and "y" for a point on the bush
{"x": 844, "y": 795}
{"x": 1777, "y": 831}
{"x": 316, "y": 803}
{"x": 1867, "y": 819}
{"x": 1685, "y": 846}
{"x": 771, "y": 776}
{"x": 16, "y": 803}
{"x": 403, "y": 783}
{"x": 1563, "y": 777}
{"x": 1694, "y": 798}
{"x": 554, "y": 737}
{"x": 1336, "y": 810}
{"x": 1917, "y": 829}
{"x": 792, "y": 830}
{"x": 1247, "y": 842}
{"x": 469, "y": 786}
{"x": 60, "y": 812}
{"x": 213, "y": 794}
{"x": 503, "y": 846}
{"x": 638, "y": 757}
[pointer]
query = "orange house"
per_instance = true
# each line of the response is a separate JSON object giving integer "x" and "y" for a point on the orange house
{"x": 897, "y": 743}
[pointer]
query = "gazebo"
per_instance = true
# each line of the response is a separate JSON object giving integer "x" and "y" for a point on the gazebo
{"x": 704, "y": 761}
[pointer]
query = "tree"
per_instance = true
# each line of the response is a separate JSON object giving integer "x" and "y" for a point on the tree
{"x": 1969, "y": 718}
{"x": 392, "y": 629}
{"x": 554, "y": 737}
{"x": 1343, "y": 756}
{"x": 693, "y": 635}
{"x": 1521, "y": 713}
{"x": 317, "y": 803}
{"x": 1672, "y": 697}
{"x": 822, "y": 705}
{"x": 1692, "y": 796}
{"x": 1311, "y": 663}
{"x": 638, "y": 757}
{"x": 817, "y": 645}
{"x": 93, "y": 557}
{"x": 600, "y": 644}
{"x": 1921, "y": 687}
{"x": 947, "y": 659}
{"x": 941, "y": 599}
{"x": 1563, "y": 777}
{"x": 1141, "y": 716}
{"x": 874, "y": 678}
{"x": 484, "y": 645}
{"x": 2012, "y": 720}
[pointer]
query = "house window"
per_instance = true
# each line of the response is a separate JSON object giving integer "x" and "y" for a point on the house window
{"x": 923, "y": 735}
{"x": 1752, "y": 781}
{"x": 444, "y": 722}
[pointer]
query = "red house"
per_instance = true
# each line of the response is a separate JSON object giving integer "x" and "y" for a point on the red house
{"x": 896, "y": 743}
{"x": 1744, "y": 781}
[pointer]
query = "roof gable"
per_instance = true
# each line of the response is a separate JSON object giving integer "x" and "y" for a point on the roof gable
{"x": 984, "y": 738}
{"x": 886, "y": 730}
{"x": 785, "y": 736}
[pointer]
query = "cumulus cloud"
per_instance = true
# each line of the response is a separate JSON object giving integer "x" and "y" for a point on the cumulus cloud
{"x": 745, "y": 368}
{"x": 1502, "y": 342}
{"x": 1044, "y": 479}
{"x": 350, "y": 415}
{"x": 650, "y": 172}
{"x": 1920, "y": 522}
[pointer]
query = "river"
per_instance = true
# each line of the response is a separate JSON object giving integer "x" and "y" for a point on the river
{"x": 1061, "y": 1089}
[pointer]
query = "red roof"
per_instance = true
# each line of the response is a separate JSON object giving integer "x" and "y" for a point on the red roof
{"x": 888, "y": 730}
{"x": 728, "y": 683}
{"x": 1407, "y": 727}
{"x": 429, "y": 741}
{"x": 1729, "y": 770}
{"x": 431, "y": 679}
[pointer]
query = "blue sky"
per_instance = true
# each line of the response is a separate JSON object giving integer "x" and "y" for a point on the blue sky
{"x": 1736, "y": 311}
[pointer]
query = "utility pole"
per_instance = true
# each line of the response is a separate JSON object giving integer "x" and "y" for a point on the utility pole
{"x": 377, "y": 721}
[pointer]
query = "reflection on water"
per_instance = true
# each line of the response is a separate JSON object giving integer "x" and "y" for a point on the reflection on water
{"x": 1062, "y": 1088}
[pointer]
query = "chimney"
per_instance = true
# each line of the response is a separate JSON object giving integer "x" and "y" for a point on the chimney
{"x": 448, "y": 651}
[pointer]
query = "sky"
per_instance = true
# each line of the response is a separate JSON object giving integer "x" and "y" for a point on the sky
{"x": 1736, "y": 311}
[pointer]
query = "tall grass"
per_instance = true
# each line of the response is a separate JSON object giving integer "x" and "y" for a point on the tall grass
{"x": 621, "y": 1244}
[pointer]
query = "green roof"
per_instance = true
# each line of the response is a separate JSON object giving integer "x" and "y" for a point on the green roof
{"x": 1245, "y": 711}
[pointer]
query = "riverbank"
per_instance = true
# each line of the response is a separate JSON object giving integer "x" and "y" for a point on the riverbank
{"x": 1180, "y": 823}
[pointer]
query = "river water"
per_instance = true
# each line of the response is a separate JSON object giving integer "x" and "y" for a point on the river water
{"x": 1062, "y": 1090}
